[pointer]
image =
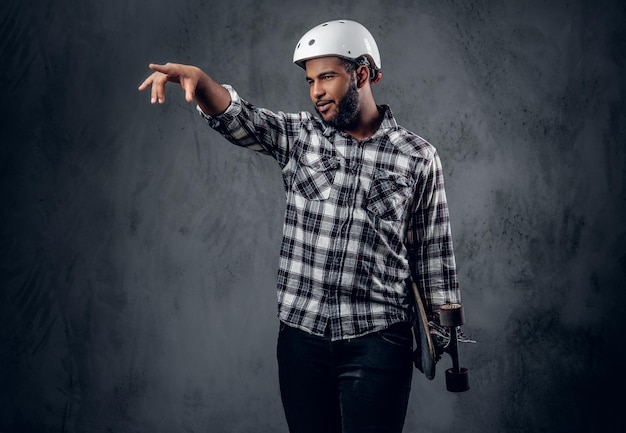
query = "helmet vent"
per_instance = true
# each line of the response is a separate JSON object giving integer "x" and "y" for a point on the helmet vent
{"x": 311, "y": 42}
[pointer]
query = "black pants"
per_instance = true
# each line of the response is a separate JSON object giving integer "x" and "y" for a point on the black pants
{"x": 352, "y": 386}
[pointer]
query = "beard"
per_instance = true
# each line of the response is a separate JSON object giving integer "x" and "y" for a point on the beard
{"x": 347, "y": 109}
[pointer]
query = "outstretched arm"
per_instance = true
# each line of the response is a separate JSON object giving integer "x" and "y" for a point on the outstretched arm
{"x": 212, "y": 98}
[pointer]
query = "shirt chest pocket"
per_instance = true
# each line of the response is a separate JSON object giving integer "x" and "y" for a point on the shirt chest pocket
{"x": 315, "y": 175}
{"x": 389, "y": 195}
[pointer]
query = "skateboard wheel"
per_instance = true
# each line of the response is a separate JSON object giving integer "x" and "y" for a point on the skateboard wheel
{"x": 451, "y": 315}
{"x": 457, "y": 380}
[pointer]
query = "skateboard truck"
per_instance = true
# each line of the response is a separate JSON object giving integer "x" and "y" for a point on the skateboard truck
{"x": 427, "y": 354}
{"x": 451, "y": 316}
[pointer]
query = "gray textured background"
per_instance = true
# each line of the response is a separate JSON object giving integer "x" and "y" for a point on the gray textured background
{"x": 138, "y": 249}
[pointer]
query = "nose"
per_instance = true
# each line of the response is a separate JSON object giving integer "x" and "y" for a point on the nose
{"x": 317, "y": 90}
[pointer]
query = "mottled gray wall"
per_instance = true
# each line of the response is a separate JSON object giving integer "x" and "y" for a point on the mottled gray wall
{"x": 138, "y": 249}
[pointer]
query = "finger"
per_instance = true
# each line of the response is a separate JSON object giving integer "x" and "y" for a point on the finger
{"x": 147, "y": 82}
{"x": 172, "y": 70}
{"x": 157, "y": 92}
{"x": 158, "y": 89}
{"x": 189, "y": 86}
{"x": 159, "y": 78}
{"x": 159, "y": 68}
{"x": 143, "y": 86}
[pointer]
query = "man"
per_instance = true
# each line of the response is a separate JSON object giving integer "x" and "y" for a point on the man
{"x": 366, "y": 212}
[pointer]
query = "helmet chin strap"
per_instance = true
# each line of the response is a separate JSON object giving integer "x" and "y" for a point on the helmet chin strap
{"x": 376, "y": 78}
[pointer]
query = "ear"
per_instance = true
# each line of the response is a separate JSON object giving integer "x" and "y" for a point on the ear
{"x": 362, "y": 75}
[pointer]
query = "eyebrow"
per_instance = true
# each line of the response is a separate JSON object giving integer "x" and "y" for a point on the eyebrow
{"x": 321, "y": 74}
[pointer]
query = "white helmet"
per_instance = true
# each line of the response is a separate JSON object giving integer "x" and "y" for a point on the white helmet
{"x": 342, "y": 38}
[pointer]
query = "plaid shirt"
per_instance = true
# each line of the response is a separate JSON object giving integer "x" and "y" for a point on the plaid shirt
{"x": 361, "y": 218}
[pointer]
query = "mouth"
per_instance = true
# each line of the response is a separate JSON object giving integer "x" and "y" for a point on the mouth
{"x": 323, "y": 106}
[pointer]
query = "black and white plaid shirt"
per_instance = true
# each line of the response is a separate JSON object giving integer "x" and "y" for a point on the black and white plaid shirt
{"x": 361, "y": 218}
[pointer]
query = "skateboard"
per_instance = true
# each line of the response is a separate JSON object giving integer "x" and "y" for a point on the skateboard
{"x": 426, "y": 353}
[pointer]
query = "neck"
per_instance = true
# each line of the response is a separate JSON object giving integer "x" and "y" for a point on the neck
{"x": 367, "y": 122}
